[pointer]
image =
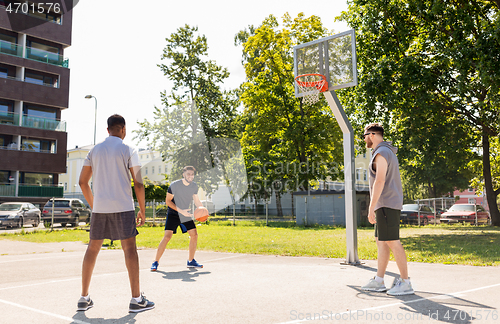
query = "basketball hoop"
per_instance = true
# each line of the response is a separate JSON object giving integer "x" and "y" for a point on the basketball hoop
{"x": 310, "y": 85}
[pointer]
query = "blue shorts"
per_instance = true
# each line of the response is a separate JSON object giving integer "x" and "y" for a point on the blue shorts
{"x": 173, "y": 221}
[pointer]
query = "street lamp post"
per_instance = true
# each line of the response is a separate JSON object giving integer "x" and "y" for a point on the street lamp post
{"x": 95, "y": 117}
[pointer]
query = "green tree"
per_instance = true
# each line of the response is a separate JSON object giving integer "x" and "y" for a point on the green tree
{"x": 287, "y": 145}
{"x": 195, "y": 111}
{"x": 476, "y": 166}
{"x": 431, "y": 70}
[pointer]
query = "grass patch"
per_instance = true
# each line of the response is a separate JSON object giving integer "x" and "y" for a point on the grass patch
{"x": 455, "y": 244}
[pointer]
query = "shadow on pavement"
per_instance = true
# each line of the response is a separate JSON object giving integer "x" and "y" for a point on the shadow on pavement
{"x": 185, "y": 275}
{"x": 80, "y": 317}
{"x": 425, "y": 306}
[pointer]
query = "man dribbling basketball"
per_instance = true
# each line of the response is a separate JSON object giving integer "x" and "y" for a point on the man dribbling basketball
{"x": 180, "y": 194}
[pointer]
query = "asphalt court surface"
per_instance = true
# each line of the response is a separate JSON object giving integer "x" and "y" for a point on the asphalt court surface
{"x": 44, "y": 287}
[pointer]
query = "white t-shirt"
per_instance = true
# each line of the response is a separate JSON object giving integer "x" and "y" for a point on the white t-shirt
{"x": 110, "y": 162}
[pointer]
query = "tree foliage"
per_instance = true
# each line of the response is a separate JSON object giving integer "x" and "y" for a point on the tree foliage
{"x": 430, "y": 71}
{"x": 286, "y": 144}
{"x": 195, "y": 111}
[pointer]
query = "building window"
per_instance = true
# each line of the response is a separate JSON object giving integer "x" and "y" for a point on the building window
{"x": 40, "y": 112}
{"x": 65, "y": 186}
{"x": 37, "y": 178}
{"x": 152, "y": 170}
{"x": 146, "y": 170}
{"x": 38, "y": 145}
{"x": 358, "y": 174}
{"x": 41, "y": 79}
{"x": 364, "y": 155}
{"x": 42, "y": 52}
{"x": 8, "y": 44}
{"x": 471, "y": 190}
{"x": 472, "y": 200}
{"x": 4, "y": 72}
{"x": 45, "y": 14}
{"x": 365, "y": 175}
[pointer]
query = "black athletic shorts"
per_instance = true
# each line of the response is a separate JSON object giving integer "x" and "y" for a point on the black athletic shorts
{"x": 387, "y": 225}
{"x": 173, "y": 221}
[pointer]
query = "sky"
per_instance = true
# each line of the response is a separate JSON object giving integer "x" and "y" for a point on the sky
{"x": 116, "y": 46}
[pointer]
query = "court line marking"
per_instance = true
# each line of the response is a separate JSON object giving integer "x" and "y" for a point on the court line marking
{"x": 64, "y": 255}
{"x": 224, "y": 258}
{"x": 451, "y": 295}
{"x": 70, "y": 319}
{"x": 98, "y": 275}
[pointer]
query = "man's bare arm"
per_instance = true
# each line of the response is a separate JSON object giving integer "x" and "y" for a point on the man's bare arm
{"x": 139, "y": 194}
{"x": 378, "y": 185}
{"x": 85, "y": 176}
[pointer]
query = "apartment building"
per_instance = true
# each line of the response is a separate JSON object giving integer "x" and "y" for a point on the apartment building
{"x": 34, "y": 89}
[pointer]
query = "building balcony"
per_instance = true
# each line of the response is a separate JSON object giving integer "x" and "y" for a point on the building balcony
{"x": 39, "y": 55}
{"x": 31, "y": 190}
{"x": 11, "y": 48}
{"x": 33, "y": 122}
{"x": 33, "y": 54}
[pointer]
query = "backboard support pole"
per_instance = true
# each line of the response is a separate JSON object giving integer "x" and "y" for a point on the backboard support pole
{"x": 349, "y": 178}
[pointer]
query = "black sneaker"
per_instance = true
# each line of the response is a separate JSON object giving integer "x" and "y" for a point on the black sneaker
{"x": 84, "y": 304}
{"x": 143, "y": 305}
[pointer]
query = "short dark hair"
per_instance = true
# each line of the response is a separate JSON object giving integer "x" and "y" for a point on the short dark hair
{"x": 116, "y": 122}
{"x": 188, "y": 168}
{"x": 375, "y": 128}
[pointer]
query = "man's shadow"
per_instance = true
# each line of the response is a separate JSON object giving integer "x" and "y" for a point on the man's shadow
{"x": 80, "y": 317}
{"x": 189, "y": 275}
{"x": 427, "y": 306}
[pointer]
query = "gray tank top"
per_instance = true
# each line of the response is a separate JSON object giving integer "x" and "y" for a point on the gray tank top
{"x": 392, "y": 194}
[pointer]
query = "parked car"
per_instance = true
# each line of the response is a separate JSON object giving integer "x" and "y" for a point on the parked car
{"x": 466, "y": 213}
{"x": 18, "y": 214}
{"x": 66, "y": 211}
{"x": 409, "y": 214}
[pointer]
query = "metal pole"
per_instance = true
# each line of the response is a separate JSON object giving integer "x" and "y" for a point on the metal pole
{"x": 305, "y": 203}
{"x": 435, "y": 212}
{"x": 234, "y": 214}
{"x": 95, "y": 118}
{"x": 418, "y": 211}
{"x": 475, "y": 212}
{"x": 52, "y": 222}
{"x": 154, "y": 213}
{"x": 267, "y": 211}
{"x": 349, "y": 176}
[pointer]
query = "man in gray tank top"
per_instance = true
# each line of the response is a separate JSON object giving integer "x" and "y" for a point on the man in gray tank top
{"x": 386, "y": 202}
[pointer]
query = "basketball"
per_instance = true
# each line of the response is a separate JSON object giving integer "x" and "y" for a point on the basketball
{"x": 201, "y": 214}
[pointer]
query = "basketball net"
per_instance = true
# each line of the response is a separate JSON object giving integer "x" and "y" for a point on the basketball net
{"x": 310, "y": 85}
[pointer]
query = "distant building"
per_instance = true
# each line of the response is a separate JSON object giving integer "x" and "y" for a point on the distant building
{"x": 34, "y": 89}
{"x": 74, "y": 165}
{"x": 153, "y": 166}
{"x": 470, "y": 196}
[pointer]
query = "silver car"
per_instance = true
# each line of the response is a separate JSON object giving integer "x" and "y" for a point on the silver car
{"x": 18, "y": 214}
{"x": 66, "y": 211}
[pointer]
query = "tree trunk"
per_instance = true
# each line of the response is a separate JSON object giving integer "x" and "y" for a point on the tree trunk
{"x": 491, "y": 197}
{"x": 278, "y": 203}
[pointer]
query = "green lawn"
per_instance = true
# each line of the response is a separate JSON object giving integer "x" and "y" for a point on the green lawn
{"x": 434, "y": 244}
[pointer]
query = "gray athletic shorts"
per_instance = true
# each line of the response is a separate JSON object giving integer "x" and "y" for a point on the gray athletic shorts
{"x": 113, "y": 226}
{"x": 387, "y": 226}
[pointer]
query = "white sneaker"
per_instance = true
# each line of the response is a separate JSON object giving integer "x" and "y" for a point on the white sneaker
{"x": 373, "y": 285}
{"x": 401, "y": 288}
